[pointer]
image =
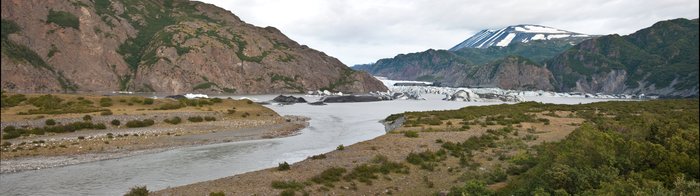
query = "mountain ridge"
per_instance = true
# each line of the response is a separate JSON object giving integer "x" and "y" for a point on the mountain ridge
{"x": 658, "y": 60}
{"x": 173, "y": 46}
{"x": 522, "y": 33}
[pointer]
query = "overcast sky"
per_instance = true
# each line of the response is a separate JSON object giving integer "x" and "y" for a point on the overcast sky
{"x": 363, "y": 31}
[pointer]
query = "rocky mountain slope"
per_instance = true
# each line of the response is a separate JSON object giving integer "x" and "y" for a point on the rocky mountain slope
{"x": 518, "y": 34}
{"x": 659, "y": 60}
{"x": 157, "y": 45}
{"x": 467, "y": 66}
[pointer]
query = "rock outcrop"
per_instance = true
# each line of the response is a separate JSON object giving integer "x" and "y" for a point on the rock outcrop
{"x": 172, "y": 46}
{"x": 289, "y": 99}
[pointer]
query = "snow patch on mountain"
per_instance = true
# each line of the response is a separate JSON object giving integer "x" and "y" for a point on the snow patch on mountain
{"x": 514, "y": 34}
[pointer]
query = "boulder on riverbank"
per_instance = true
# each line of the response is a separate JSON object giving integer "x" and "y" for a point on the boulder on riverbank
{"x": 289, "y": 99}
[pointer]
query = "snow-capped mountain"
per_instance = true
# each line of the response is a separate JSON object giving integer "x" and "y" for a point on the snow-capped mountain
{"x": 513, "y": 34}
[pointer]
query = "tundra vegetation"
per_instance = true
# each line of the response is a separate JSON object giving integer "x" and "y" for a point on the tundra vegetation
{"x": 620, "y": 148}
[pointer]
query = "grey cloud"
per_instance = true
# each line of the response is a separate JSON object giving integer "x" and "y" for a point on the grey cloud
{"x": 363, "y": 31}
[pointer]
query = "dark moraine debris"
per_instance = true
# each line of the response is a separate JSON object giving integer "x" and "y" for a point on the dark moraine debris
{"x": 317, "y": 103}
{"x": 350, "y": 98}
{"x": 289, "y": 99}
{"x": 176, "y": 97}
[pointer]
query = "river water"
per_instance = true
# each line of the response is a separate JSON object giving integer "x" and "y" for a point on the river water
{"x": 330, "y": 126}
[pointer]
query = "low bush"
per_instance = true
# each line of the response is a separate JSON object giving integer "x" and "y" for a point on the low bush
{"x": 195, "y": 119}
{"x": 87, "y": 118}
{"x": 105, "y": 102}
{"x": 50, "y": 122}
{"x": 293, "y": 185}
{"x": 320, "y": 156}
{"x": 329, "y": 176}
{"x": 12, "y": 132}
{"x": 106, "y": 113}
{"x": 139, "y": 123}
{"x": 209, "y": 118}
{"x": 173, "y": 120}
{"x": 220, "y": 193}
{"x": 380, "y": 164}
{"x": 411, "y": 134}
{"x": 137, "y": 191}
{"x": 283, "y": 166}
{"x": 148, "y": 101}
{"x": 170, "y": 106}
{"x": 116, "y": 122}
{"x": 13, "y": 100}
{"x": 340, "y": 147}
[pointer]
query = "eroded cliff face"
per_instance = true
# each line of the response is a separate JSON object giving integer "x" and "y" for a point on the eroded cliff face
{"x": 158, "y": 45}
{"x": 512, "y": 72}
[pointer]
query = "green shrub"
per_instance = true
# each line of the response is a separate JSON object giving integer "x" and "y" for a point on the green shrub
{"x": 9, "y": 27}
{"x": 411, "y": 134}
{"x": 283, "y": 166}
{"x": 50, "y": 122}
{"x": 148, "y": 101}
{"x": 116, "y": 122}
{"x": 472, "y": 187}
{"x": 170, "y": 106}
{"x": 12, "y": 132}
{"x": 329, "y": 176}
{"x": 293, "y": 185}
{"x": 87, "y": 118}
{"x": 209, "y": 118}
{"x": 195, "y": 119}
{"x": 105, "y": 104}
{"x": 46, "y": 101}
{"x": 106, "y": 113}
{"x": 380, "y": 164}
{"x": 320, "y": 156}
{"x": 288, "y": 192}
{"x": 137, "y": 191}
{"x": 174, "y": 120}
{"x": 340, "y": 147}
{"x": 63, "y": 19}
{"x": 220, "y": 193}
{"x": 140, "y": 123}
{"x": 12, "y": 100}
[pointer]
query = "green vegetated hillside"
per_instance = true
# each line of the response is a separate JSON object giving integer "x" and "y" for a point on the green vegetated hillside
{"x": 621, "y": 148}
{"x": 659, "y": 60}
{"x": 158, "y": 45}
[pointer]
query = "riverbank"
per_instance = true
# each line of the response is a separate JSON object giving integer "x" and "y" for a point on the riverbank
{"x": 218, "y": 122}
{"x": 359, "y": 169}
{"x": 519, "y": 149}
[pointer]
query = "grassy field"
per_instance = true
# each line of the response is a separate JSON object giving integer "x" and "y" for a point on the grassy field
{"x": 619, "y": 148}
{"x": 43, "y": 106}
{"x": 68, "y": 124}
